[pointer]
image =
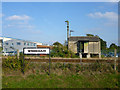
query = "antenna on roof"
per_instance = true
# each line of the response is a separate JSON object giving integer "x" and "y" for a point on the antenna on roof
{"x": 71, "y": 31}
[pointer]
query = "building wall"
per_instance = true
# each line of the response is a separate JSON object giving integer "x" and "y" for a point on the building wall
{"x": 14, "y": 45}
{"x": 90, "y": 47}
{"x": 37, "y": 43}
{"x": 72, "y": 45}
{"x": 93, "y": 47}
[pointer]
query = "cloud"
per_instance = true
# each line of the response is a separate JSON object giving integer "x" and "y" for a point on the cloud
{"x": 107, "y": 15}
{"x": 1, "y": 15}
{"x": 16, "y": 17}
{"x": 19, "y": 26}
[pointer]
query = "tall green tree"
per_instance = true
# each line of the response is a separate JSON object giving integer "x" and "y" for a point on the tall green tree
{"x": 103, "y": 44}
{"x": 60, "y": 50}
{"x": 113, "y": 46}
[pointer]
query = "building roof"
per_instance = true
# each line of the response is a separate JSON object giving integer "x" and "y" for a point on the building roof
{"x": 84, "y": 38}
{"x": 42, "y": 46}
{"x": 11, "y": 39}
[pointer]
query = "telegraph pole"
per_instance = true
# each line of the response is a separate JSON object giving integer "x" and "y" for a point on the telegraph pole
{"x": 67, "y": 31}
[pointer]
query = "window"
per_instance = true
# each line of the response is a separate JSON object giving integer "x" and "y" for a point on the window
{"x": 28, "y": 44}
{"x": 6, "y": 43}
{"x": 18, "y": 43}
{"x": 12, "y": 44}
{"x": 34, "y": 44}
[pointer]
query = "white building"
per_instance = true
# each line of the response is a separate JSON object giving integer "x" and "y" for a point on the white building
{"x": 11, "y": 44}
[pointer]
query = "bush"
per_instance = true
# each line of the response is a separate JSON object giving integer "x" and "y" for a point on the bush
{"x": 59, "y": 50}
{"x": 78, "y": 68}
{"x": 14, "y": 64}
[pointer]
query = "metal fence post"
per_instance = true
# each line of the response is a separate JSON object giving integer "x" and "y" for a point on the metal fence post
{"x": 23, "y": 61}
{"x": 18, "y": 54}
{"x": 49, "y": 61}
{"x": 115, "y": 51}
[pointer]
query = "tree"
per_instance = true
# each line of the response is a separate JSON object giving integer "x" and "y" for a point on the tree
{"x": 57, "y": 44}
{"x": 103, "y": 44}
{"x": 89, "y": 35}
{"x": 60, "y": 50}
{"x": 113, "y": 46}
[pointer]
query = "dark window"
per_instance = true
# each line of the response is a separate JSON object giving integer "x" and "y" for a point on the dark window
{"x": 6, "y": 43}
{"x": 34, "y": 44}
{"x": 18, "y": 43}
{"x": 12, "y": 44}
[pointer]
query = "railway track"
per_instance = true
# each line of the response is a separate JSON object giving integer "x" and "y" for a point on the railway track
{"x": 72, "y": 60}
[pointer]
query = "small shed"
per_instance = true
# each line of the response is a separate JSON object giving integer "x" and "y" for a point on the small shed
{"x": 85, "y": 46}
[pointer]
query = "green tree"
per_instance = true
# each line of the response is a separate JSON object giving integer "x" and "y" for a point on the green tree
{"x": 89, "y": 35}
{"x": 60, "y": 50}
{"x": 103, "y": 44}
{"x": 57, "y": 44}
{"x": 1, "y": 49}
{"x": 113, "y": 46}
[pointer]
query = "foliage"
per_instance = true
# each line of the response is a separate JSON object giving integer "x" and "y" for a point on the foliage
{"x": 1, "y": 49}
{"x": 103, "y": 44}
{"x": 72, "y": 75}
{"x": 113, "y": 46}
{"x": 14, "y": 64}
{"x": 89, "y": 35}
{"x": 60, "y": 50}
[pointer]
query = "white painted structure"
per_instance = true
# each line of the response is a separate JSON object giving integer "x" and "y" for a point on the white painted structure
{"x": 36, "y": 51}
{"x": 11, "y": 44}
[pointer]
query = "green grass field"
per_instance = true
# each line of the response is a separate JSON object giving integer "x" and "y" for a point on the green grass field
{"x": 63, "y": 75}
{"x": 83, "y": 80}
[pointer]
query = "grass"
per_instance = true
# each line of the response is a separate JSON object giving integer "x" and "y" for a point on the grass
{"x": 84, "y": 80}
{"x": 63, "y": 75}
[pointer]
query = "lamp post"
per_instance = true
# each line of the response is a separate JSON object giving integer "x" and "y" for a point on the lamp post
{"x": 67, "y": 31}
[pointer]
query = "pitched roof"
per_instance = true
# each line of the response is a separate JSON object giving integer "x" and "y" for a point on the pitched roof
{"x": 84, "y": 38}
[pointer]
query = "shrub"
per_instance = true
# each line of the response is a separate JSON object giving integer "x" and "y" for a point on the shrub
{"x": 15, "y": 64}
{"x": 78, "y": 68}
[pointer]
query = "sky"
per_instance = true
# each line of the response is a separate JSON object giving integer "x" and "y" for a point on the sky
{"x": 45, "y": 21}
{"x": 60, "y": 0}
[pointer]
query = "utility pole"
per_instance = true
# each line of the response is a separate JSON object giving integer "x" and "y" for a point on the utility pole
{"x": 67, "y": 31}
